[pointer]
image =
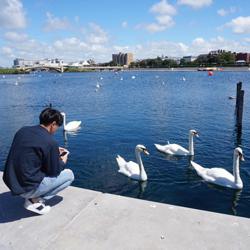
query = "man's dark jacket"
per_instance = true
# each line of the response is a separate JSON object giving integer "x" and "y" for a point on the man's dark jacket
{"x": 33, "y": 155}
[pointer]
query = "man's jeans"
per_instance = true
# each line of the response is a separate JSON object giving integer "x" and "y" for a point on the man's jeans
{"x": 50, "y": 186}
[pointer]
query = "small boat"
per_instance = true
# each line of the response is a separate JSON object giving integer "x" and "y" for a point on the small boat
{"x": 207, "y": 69}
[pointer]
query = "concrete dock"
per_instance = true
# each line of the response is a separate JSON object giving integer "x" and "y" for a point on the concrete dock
{"x": 85, "y": 219}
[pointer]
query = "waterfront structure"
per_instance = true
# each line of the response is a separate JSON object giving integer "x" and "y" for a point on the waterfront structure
{"x": 20, "y": 63}
{"x": 189, "y": 59}
{"x": 79, "y": 64}
{"x": 122, "y": 59}
{"x": 243, "y": 57}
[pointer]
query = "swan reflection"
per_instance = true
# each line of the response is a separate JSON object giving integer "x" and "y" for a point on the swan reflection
{"x": 66, "y": 133}
{"x": 235, "y": 200}
{"x": 142, "y": 187}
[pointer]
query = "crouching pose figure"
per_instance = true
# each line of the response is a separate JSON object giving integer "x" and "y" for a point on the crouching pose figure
{"x": 35, "y": 166}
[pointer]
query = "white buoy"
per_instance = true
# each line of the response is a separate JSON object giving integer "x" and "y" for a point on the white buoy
{"x": 133, "y": 77}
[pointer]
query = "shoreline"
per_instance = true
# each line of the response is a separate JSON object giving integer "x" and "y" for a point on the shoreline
{"x": 179, "y": 69}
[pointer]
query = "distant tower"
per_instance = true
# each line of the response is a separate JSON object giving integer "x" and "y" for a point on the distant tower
{"x": 18, "y": 62}
{"x": 122, "y": 59}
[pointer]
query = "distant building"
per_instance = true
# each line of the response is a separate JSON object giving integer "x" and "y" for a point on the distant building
{"x": 174, "y": 58}
{"x": 243, "y": 57}
{"x": 19, "y": 62}
{"x": 217, "y": 52}
{"x": 122, "y": 59}
{"x": 188, "y": 59}
{"x": 240, "y": 62}
{"x": 202, "y": 58}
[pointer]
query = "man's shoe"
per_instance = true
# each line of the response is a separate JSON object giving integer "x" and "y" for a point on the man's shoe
{"x": 38, "y": 207}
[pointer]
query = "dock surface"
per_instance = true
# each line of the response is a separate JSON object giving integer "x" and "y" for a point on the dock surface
{"x": 84, "y": 219}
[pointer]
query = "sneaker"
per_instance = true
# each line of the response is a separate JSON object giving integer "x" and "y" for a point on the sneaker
{"x": 38, "y": 207}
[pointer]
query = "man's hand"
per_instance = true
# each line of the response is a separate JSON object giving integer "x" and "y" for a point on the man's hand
{"x": 63, "y": 154}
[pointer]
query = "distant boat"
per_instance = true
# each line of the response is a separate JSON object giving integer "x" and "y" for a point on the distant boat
{"x": 208, "y": 69}
{"x": 231, "y": 97}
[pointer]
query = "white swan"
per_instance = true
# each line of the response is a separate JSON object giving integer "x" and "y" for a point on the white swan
{"x": 131, "y": 169}
{"x": 175, "y": 149}
{"x": 221, "y": 176}
{"x": 71, "y": 126}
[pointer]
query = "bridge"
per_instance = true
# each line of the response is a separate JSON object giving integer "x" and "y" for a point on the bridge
{"x": 61, "y": 69}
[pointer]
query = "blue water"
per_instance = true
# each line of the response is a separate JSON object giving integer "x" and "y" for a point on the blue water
{"x": 155, "y": 107}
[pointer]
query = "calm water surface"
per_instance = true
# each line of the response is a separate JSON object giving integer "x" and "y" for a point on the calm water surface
{"x": 154, "y": 107}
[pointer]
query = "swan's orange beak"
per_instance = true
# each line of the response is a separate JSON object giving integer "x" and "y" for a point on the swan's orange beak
{"x": 145, "y": 151}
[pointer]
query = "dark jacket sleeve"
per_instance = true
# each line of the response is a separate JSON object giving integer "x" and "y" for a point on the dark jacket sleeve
{"x": 53, "y": 164}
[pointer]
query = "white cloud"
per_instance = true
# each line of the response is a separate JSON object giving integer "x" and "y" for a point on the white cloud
{"x": 163, "y": 8}
{"x": 6, "y": 50}
{"x": 183, "y": 47}
{"x": 118, "y": 48}
{"x": 154, "y": 27}
{"x": 198, "y": 46}
{"x": 202, "y": 46}
{"x": 199, "y": 41}
{"x": 222, "y": 12}
{"x": 196, "y": 4}
{"x": 225, "y": 12}
{"x": 12, "y": 14}
{"x": 240, "y": 25}
{"x": 74, "y": 48}
{"x": 97, "y": 35}
{"x": 166, "y": 21}
{"x": 71, "y": 43}
{"x": 15, "y": 36}
{"x": 55, "y": 23}
{"x": 124, "y": 24}
{"x": 163, "y": 22}
{"x": 164, "y": 12}
{"x": 154, "y": 49}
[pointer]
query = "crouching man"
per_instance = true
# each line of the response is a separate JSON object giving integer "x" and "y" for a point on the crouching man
{"x": 35, "y": 166}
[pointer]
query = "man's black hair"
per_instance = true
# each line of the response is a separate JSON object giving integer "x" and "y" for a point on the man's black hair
{"x": 50, "y": 115}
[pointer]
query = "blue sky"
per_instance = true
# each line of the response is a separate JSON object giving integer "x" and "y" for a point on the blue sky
{"x": 79, "y": 30}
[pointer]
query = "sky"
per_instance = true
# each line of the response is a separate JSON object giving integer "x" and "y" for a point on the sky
{"x": 95, "y": 29}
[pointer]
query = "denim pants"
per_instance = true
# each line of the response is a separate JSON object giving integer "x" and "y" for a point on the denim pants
{"x": 50, "y": 186}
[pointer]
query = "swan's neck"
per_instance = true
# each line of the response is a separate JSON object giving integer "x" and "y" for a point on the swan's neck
{"x": 143, "y": 174}
{"x": 191, "y": 145}
{"x": 236, "y": 170}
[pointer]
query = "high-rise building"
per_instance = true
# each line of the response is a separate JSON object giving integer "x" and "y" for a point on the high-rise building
{"x": 122, "y": 59}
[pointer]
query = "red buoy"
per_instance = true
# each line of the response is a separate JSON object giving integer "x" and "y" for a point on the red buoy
{"x": 210, "y": 73}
